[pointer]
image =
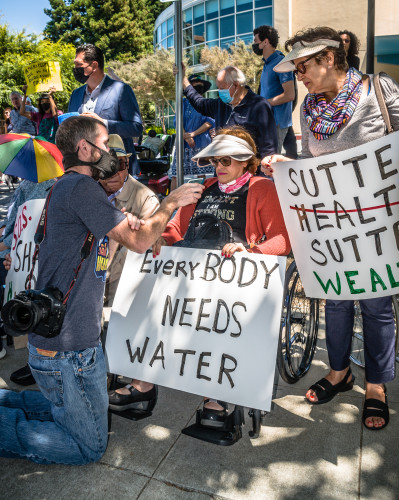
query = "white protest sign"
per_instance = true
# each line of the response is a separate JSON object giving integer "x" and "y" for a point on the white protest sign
{"x": 194, "y": 321}
{"x": 22, "y": 248}
{"x": 342, "y": 215}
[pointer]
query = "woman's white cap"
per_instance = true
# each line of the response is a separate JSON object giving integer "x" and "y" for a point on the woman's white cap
{"x": 225, "y": 145}
{"x": 302, "y": 49}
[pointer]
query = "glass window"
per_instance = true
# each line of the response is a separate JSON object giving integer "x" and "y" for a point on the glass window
{"x": 199, "y": 15}
{"x": 213, "y": 44}
{"x": 212, "y": 30}
{"x": 247, "y": 39}
{"x": 164, "y": 44}
{"x": 244, "y": 23}
{"x": 199, "y": 33}
{"x": 226, "y": 7}
{"x": 189, "y": 55}
{"x": 263, "y": 16}
{"x": 211, "y": 7}
{"x": 244, "y": 5}
{"x": 187, "y": 17}
{"x": 159, "y": 36}
{"x": 197, "y": 53}
{"x": 163, "y": 30}
{"x": 170, "y": 25}
{"x": 226, "y": 26}
{"x": 187, "y": 37}
{"x": 171, "y": 42}
{"x": 227, "y": 43}
{"x": 263, "y": 3}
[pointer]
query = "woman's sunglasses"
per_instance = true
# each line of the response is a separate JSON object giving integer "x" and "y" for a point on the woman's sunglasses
{"x": 301, "y": 68}
{"x": 225, "y": 162}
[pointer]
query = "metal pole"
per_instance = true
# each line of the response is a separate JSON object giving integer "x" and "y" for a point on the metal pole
{"x": 179, "y": 92}
{"x": 370, "y": 37}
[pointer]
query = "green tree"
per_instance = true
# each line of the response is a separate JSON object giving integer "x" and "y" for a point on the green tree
{"x": 123, "y": 29}
{"x": 152, "y": 80}
{"x": 18, "y": 50}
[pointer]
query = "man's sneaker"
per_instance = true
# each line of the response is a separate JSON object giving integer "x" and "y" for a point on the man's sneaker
{"x": 3, "y": 352}
{"x": 23, "y": 376}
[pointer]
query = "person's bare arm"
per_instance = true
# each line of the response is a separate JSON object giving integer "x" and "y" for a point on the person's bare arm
{"x": 22, "y": 110}
{"x": 53, "y": 108}
{"x": 140, "y": 240}
{"x": 287, "y": 96}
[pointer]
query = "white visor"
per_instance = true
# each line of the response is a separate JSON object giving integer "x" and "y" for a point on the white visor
{"x": 302, "y": 49}
{"x": 225, "y": 145}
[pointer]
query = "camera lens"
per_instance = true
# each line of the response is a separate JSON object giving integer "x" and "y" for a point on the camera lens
{"x": 22, "y": 317}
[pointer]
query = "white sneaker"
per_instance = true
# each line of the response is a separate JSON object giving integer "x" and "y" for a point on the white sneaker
{"x": 3, "y": 352}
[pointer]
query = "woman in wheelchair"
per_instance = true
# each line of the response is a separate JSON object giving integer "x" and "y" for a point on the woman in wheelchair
{"x": 248, "y": 204}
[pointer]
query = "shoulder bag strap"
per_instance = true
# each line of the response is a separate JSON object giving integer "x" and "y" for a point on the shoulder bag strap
{"x": 382, "y": 103}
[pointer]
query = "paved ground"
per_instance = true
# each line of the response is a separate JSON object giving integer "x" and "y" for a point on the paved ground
{"x": 303, "y": 452}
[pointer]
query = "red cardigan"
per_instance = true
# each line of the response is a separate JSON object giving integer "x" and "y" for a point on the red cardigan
{"x": 264, "y": 217}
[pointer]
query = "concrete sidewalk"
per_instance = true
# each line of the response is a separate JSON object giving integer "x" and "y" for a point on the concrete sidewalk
{"x": 304, "y": 451}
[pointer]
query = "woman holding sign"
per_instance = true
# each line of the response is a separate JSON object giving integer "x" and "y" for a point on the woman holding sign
{"x": 340, "y": 112}
{"x": 249, "y": 204}
{"x": 46, "y": 118}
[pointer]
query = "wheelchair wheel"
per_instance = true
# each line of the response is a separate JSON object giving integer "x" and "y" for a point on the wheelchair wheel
{"x": 298, "y": 331}
{"x": 357, "y": 352}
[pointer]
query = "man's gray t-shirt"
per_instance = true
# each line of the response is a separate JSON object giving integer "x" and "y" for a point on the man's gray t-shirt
{"x": 78, "y": 205}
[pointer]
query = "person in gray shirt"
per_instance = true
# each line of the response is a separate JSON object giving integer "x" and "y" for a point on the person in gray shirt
{"x": 21, "y": 124}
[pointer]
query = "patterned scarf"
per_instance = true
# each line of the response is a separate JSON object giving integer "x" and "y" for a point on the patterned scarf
{"x": 325, "y": 119}
{"x": 233, "y": 186}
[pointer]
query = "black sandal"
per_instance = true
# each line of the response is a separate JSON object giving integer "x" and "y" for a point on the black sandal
{"x": 376, "y": 408}
{"x": 325, "y": 391}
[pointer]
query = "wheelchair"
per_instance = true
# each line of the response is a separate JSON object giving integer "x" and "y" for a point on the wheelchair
{"x": 296, "y": 348}
{"x": 154, "y": 171}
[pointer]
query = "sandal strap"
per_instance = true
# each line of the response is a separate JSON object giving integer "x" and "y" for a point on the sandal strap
{"x": 375, "y": 408}
{"x": 321, "y": 387}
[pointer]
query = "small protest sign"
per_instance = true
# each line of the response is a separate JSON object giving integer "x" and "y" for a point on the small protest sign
{"x": 23, "y": 247}
{"x": 342, "y": 215}
{"x": 40, "y": 76}
{"x": 194, "y": 321}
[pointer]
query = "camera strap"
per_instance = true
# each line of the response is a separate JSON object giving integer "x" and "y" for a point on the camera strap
{"x": 39, "y": 237}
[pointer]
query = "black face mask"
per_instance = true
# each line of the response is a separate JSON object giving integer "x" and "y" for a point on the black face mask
{"x": 79, "y": 74}
{"x": 199, "y": 88}
{"x": 107, "y": 165}
{"x": 256, "y": 49}
{"x": 46, "y": 107}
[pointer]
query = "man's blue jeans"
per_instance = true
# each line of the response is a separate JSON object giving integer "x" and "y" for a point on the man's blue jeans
{"x": 66, "y": 422}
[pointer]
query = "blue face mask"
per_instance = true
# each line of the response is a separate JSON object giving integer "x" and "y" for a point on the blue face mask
{"x": 225, "y": 96}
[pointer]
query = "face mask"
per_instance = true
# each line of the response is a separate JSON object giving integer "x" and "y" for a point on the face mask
{"x": 224, "y": 95}
{"x": 46, "y": 107}
{"x": 79, "y": 74}
{"x": 256, "y": 49}
{"x": 107, "y": 164}
{"x": 199, "y": 88}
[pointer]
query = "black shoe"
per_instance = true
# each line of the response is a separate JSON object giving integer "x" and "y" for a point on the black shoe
{"x": 23, "y": 376}
{"x": 135, "y": 400}
{"x": 214, "y": 418}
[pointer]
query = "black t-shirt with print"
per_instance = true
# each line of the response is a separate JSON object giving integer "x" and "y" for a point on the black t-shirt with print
{"x": 229, "y": 207}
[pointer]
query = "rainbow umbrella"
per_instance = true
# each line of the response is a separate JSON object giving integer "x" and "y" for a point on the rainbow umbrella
{"x": 31, "y": 158}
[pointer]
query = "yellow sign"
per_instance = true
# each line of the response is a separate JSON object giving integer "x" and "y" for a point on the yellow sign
{"x": 40, "y": 76}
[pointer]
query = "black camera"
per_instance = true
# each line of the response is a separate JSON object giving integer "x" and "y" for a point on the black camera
{"x": 38, "y": 311}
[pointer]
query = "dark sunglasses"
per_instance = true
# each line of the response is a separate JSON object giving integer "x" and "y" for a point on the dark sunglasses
{"x": 123, "y": 164}
{"x": 301, "y": 68}
{"x": 225, "y": 162}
